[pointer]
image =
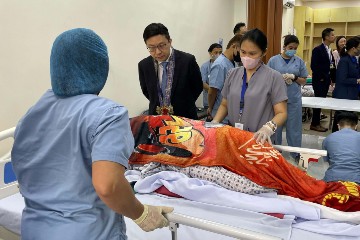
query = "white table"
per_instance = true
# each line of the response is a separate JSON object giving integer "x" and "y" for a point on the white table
{"x": 332, "y": 104}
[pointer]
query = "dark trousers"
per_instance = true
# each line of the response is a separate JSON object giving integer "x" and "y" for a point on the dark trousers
{"x": 321, "y": 89}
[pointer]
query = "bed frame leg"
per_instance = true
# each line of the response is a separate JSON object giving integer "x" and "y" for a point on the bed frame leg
{"x": 173, "y": 228}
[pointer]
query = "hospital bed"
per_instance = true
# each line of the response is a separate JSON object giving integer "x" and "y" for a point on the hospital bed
{"x": 197, "y": 219}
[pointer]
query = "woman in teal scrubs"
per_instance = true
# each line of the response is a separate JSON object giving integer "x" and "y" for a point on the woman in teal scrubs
{"x": 294, "y": 73}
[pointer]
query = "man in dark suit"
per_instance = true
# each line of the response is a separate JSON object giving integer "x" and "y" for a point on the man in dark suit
{"x": 324, "y": 73}
{"x": 169, "y": 78}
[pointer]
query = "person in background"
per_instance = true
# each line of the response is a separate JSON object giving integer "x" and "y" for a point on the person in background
{"x": 214, "y": 51}
{"x": 169, "y": 79}
{"x": 340, "y": 44}
{"x": 71, "y": 150}
{"x": 343, "y": 152}
{"x": 324, "y": 73}
{"x": 294, "y": 72}
{"x": 347, "y": 75}
{"x": 240, "y": 28}
{"x": 254, "y": 96}
{"x": 218, "y": 72}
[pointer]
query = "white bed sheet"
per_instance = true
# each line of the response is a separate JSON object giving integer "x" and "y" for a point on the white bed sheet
{"x": 288, "y": 228}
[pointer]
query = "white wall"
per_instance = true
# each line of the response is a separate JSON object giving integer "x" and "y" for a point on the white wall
{"x": 287, "y": 22}
{"x": 240, "y": 11}
{"x": 28, "y": 29}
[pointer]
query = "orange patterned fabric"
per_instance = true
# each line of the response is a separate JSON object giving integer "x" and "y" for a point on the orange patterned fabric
{"x": 183, "y": 142}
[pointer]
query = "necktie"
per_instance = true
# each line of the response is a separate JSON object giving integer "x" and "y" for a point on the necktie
{"x": 164, "y": 77}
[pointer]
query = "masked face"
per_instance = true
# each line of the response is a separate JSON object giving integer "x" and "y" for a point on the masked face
{"x": 250, "y": 63}
{"x": 290, "y": 49}
{"x": 214, "y": 56}
{"x": 250, "y": 54}
{"x": 290, "y": 53}
{"x": 215, "y": 53}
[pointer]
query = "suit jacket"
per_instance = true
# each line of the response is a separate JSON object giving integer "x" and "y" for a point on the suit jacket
{"x": 320, "y": 65}
{"x": 347, "y": 74}
{"x": 186, "y": 87}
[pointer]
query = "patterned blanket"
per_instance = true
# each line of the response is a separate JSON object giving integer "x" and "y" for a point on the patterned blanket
{"x": 184, "y": 142}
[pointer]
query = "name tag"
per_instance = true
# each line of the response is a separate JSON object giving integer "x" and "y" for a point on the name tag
{"x": 239, "y": 126}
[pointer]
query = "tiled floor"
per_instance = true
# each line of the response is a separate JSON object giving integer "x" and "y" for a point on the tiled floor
{"x": 324, "y": 123}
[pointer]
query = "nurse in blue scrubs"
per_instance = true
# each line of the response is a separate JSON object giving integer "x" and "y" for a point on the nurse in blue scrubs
{"x": 214, "y": 51}
{"x": 294, "y": 73}
{"x": 71, "y": 150}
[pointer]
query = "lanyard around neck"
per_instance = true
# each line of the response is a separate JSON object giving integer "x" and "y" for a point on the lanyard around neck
{"x": 243, "y": 90}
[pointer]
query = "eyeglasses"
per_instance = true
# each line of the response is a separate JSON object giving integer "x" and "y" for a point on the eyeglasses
{"x": 161, "y": 47}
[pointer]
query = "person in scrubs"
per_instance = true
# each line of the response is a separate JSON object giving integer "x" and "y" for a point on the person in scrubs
{"x": 218, "y": 72}
{"x": 71, "y": 150}
{"x": 294, "y": 74}
{"x": 254, "y": 96}
{"x": 214, "y": 51}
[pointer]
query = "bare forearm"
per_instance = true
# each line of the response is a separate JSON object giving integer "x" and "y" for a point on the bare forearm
{"x": 280, "y": 118}
{"x": 301, "y": 81}
{"x": 123, "y": 201}
{"x": 280, "y": 110}
{"x": 114, "y": 190}
{"x": 222, "y": 112}
{"x": 206, "y": 86}
{"x": 212, "y": 97}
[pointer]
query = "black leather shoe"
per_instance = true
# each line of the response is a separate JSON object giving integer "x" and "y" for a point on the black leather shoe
{"x": 318, "y": 128}
{"x": 323, "y": 116}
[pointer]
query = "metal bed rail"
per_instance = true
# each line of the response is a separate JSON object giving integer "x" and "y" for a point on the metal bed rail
{"x": 223, "y": 229}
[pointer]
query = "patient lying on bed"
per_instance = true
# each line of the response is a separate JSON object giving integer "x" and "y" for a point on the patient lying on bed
{"x": 194, "y": 147}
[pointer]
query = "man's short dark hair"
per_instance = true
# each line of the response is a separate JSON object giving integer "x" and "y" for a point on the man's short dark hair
{"x": 238, "y": 26}
{"x": 326, "y": 32}
{"x": 154, "y": 29}
{"x": 347, "y": 118}
{"x": 236, "y": 39}
{"x": 214, "y": 45}
{"x": 290, "y": 39}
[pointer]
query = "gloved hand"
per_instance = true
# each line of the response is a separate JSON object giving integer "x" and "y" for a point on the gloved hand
{"x": 288, "y": 78}
{"x": 263, "y": 134}
{"x": 153, "y": 218}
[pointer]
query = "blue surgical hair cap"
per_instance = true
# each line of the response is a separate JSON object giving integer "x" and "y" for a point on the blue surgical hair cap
{"x": 79, "y": 63}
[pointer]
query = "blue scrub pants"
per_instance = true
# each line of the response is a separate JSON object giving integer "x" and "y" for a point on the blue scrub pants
{"x": 293, "y": 126}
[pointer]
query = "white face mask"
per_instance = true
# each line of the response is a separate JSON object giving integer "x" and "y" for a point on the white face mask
{"x": 250, "y": 63}
{"x": 215, "y": 56}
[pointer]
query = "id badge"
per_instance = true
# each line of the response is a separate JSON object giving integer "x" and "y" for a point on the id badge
{"x": 239, "y": 126}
